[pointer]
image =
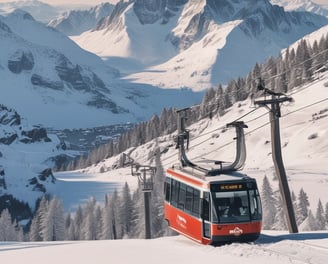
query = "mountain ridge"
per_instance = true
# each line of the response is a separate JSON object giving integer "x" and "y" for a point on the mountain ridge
{"x": 45, "y": 67}
{"x": 188, "y": 39}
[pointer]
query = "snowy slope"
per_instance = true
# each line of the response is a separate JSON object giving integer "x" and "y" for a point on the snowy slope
{"x": 41, "y": 11}
{"x": 271, "y": 248}
{"x": 63, "y": 80}
{"x": 304, "y": 133}
{"x": 301, "y": 5}
{"x": 26, "y": 157}
{"x": 199, "y": 44}
{"x": 74, "y": 22}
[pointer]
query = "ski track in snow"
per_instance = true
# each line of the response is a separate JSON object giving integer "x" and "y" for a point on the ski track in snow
{"x": 273, "y": 247}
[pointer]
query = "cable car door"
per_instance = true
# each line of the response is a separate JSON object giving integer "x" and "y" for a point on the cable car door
{"x": 206, "y": 212}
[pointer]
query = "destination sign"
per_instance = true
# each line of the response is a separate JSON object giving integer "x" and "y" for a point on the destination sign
{"x": 233, "y": 186}
{"x": 230, "y": 187}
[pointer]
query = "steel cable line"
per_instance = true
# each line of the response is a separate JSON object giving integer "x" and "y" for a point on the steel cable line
{"x": 239, "y": 88}
{"x": 249, "y": 132}
{"x": 202, "y": 142}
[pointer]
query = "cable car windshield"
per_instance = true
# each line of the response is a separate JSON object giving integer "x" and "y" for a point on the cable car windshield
{"x": 236, "y": 206}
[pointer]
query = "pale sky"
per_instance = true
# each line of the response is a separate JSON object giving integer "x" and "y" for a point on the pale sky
{"x": 95, "y": 2}
{"x": 324, "y": 2}
{"x": 68, "y": 2}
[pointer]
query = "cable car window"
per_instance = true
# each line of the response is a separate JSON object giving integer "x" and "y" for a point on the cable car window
{"x": 189, "y": 199}
{"x": 182, "y": 196}
{"x": 255, "y": 205}
{"x": 175, "y": 193}
{"x": 230, "y": 207}
{"x": 206, "y": 206}
{"x": 167, "y": 189}
{"x": 195, "y": 204}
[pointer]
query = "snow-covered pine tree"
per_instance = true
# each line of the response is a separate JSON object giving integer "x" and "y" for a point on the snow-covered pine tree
{"x": 126, "y": 211}
{"x": 280, "y": 217}
{"x": 305, "y": 60}
{"x": 38, "y": 221}
{"x": 70, "y": 233}
{"x": 311, "y": 222}
{"x": 158, "y": 225}
{"x": 139, "y": 218}
{"x": 106, "y": 220}
{"x": 268, "y": 204}
{"x": 302, "y": 207}
{"x": 7, "y": 227}
{"x": 320, "y": 217}
{"x": 206, "y": 104}
{"x": 78, "y": 221}
{"x": 53, "y": 225}
{"x": 88, "y": 227}
{"x": 220, "y": 100}
{"x": 98, "y": 223}
{"x": 281, "y": 84}
{"x": 115, "y": 216}
{"x": 34, "y": 233}
{"x": 326, "y": 214}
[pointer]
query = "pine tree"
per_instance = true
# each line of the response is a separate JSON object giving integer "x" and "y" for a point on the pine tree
{"x": 53, "y": 226}
{"x": 326, "y": 214}
{"x": 320, "y": 217}
{"x": 114, "y": 215}
{"x": 312, "y": 224}
{"x": 280, "y": 217}
{"x": 88, "y": 227}
{"x": 34, "y": 234}
{"x": 302, "y": 207}
{"x": 269, "y": 204}
{"x": 107, "y": 220}
{"x": 78, "y": 221}
{"x": 157, "y": 205}
{"x": 70, "y": 233}
{"x": 7, "y": 227}
{"x": 126, "y": 211}
{"x": 39, "y": 221}
{"x": 98, "y": 223}
{"x": 220, "y": 102}
{"x": 206, "y": 105}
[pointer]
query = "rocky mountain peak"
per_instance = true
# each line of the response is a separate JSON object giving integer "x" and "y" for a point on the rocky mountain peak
{"x": 151, "y": 11}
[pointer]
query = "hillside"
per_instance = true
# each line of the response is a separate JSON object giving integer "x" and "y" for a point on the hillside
{"x": 304, "y": 129}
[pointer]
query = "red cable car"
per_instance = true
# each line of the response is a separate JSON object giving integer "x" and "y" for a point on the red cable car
{"x": 212, "y": 210}
{"x": 212, "y": 206}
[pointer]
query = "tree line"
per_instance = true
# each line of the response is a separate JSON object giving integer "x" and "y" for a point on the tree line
{"x": 120, "y": 216}
{"x": 274, "y": 215}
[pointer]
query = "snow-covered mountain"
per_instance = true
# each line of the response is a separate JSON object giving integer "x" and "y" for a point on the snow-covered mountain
{"x": 193, "y": 43}
{"x": 27, "y": 156}
{"x": 75, "y": 22}
{"x": 301, "y": 5}
{"x": 39, "y": 10}
{"x": 49, "y": 80}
